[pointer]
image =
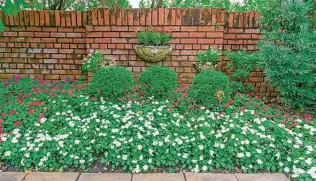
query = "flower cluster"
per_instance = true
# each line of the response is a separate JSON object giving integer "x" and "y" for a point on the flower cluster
{"x": 141, "y": 134}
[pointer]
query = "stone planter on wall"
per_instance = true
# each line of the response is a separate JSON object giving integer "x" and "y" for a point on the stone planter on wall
{"x": 153, "y": 53}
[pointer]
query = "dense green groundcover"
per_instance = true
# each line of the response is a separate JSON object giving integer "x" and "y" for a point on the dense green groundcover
{"x": 56, "y": 126}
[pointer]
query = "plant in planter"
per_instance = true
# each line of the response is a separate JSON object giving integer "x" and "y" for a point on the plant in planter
{"x": 153, "y": 45}
{"x": 207, "y": 60}
{"x": 94, "y": 61}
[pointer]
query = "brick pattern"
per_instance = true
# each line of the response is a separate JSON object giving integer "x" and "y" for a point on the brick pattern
{"x": 51, "y": 44}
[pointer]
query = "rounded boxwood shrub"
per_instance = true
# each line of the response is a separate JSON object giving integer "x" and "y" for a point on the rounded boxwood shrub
{"x": 112, "y": 82}
{"x": 158, "y": 81}
{"x": 210, "y": 87}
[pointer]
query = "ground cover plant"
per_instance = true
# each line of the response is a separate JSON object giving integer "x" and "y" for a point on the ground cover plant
{"x": 59, "y": 125}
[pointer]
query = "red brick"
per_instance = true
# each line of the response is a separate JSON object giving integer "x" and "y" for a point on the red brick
{"x": 119, "y": 28}
{"x": 191, "y": 40}
{"x": 111, "y": 34}
{"x": 78, "y": 35}
{"x": 102, "y": 40}
{"x": 189, "y": 28}
{"x": 58, "y": 34}
{"x": 243, "y": 36}
{"x": 102, "y": 28}
{"x": 64, "y": 40}
{"x": 154, "y": 17}
{"x": 161, "y": 17}
{"x": 206, "y": 28}
{"x": 214, "y": 35}
{"x": 255, "y": 31}
{"x": 206, "y": 41}
{"x": 128, "y": 34}
{"x": 196, "y": 34}
{"x": 181, "y": 34}
{"x": 235, "y": 30}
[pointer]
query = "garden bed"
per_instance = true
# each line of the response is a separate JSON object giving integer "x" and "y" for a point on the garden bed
{"x": 60, "y": 126}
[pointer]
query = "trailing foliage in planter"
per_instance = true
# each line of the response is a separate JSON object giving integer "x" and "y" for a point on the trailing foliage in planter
{"x": 210, "y": 87}
{"x": 158, "y": 81}
{"x": 288, "y": 52}
{"x": 242, "y": 64}
{"x": 112, "y": 82}
{"x": 153, "y": 37}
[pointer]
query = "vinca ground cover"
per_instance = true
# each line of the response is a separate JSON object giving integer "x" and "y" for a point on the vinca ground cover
{"x": 51, "y": 126}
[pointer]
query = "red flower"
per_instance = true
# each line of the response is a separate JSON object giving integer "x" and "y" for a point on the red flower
{"x": 3, "y": 114}
{"x": 121, "y": 99}
{"x": 1, "y": 121}
{"x": 17, "y": 123}
{"x": 30, "y": 111}
{"x": 265, "y": 107}
{"x": 12, "y": 112}
{"x": 283, "y": 121}
{"x": 226, "y": 105}
{"x": 191, "y": 106}
{"x": 40, "y": 117}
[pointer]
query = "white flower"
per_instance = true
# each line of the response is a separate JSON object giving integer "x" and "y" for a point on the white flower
{"x": 145, "y": 167}
{"x": 124, "y": 157}
{"x": 77, "y": 142}
{"x": 61, "y": 143}
{"x": 185, "y": 155}
{"x": 258, "y": 151}
{"x": 286, "y": 169}
{"x": 201, "y": 147}
{"x": 259, "y": 161}
{"x": 27, "y": 155}
{"x": 248, "y": 154}
{"x": 312, "y": 172}
{"x": 308, "y": 161}
{"x": 139, "y": 147}
{"x": 71, "y": 124}
{"x": 240, "y": 155}
{"x": 82, "y": 161}
{"x": 204, "y": 168}
{"x": 281, "y": 164}
{"x": 7, "y": 153}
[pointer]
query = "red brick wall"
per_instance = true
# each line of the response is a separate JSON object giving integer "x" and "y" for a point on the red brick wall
{"x": 51, "y": 44}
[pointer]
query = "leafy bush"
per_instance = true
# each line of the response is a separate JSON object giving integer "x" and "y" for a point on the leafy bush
{"x": 288, "y": 51}
{"x": 210, "y": 55}
{"x": 158, "y": 81}
{"x": 112, "y": 82}
{"x": 92, "y": 62}
{"x": 58, "y": 118}
{"x": 243, "y": 63}
{"x": 140, "y": 136}
{"x": 210, "y": 87}
{"x": 153, "y": 37}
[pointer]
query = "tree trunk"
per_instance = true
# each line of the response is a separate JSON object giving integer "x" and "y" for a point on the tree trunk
{"x": 159, "y": 4}
{"x": 152, "y": 3}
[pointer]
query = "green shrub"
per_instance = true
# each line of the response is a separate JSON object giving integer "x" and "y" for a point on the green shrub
{"x": 210, "y": 87}
{"x": 158, "y": 81}
{"x": 243, "y": 63}
{"x": 288, "y": 56}
{"x": 92, "y": 62}
{"x": 153, "y": 37}
{"x": 112, "y": 82}
{"x": 210, "y": 55}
